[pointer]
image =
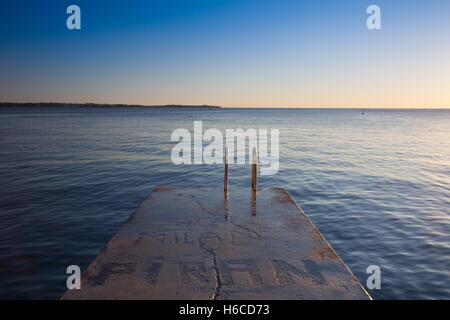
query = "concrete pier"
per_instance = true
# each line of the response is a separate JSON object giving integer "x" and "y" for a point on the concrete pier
{"x": 201, "y": 243}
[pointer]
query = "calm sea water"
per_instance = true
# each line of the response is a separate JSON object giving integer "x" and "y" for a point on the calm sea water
{"x": 376, "y": 185}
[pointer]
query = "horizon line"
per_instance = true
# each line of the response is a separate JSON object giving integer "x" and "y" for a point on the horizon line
{"x": 219, "y": 106}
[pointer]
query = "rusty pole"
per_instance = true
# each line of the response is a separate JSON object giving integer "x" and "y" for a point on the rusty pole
{"x": 255, "y": 170}
{"x": 225, "y": 184}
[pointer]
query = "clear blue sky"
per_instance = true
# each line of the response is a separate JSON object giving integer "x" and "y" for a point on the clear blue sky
{"x": 232, "y": 53}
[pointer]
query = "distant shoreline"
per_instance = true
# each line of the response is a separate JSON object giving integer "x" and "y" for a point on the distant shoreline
{"x": 119, "y": 105}
{"x": 102, "y": 105}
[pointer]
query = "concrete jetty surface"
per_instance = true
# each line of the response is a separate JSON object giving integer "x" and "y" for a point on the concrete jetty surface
{"x": 202, "y": 243}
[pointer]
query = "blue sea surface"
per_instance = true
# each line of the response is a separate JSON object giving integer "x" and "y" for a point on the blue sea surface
{"x": 377, "y": 186}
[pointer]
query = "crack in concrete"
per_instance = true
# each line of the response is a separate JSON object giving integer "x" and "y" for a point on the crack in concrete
{"x": 201, "y": 206}
{"x": 217, "y": 274}
{"x": 214, "y": 258}
{"x": 251, "y": 231}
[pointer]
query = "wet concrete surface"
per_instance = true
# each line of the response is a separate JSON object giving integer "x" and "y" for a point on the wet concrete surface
{"x": 202, "y": 243}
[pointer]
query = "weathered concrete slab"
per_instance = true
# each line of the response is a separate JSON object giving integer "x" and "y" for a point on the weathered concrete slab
{"x": 198, "y": 243}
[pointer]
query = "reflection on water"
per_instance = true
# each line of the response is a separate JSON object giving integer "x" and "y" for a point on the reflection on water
{"x": 376, "y": 185}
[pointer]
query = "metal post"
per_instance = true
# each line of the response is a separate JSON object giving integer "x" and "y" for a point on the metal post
{"x": 255, "y": 170}
{"x": 225, "y": 185}
{"x": 226, "y": 202}
{"x": 254, "y": 193}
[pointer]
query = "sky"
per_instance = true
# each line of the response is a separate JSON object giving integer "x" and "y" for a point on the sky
{"x": 235, "y": 53}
